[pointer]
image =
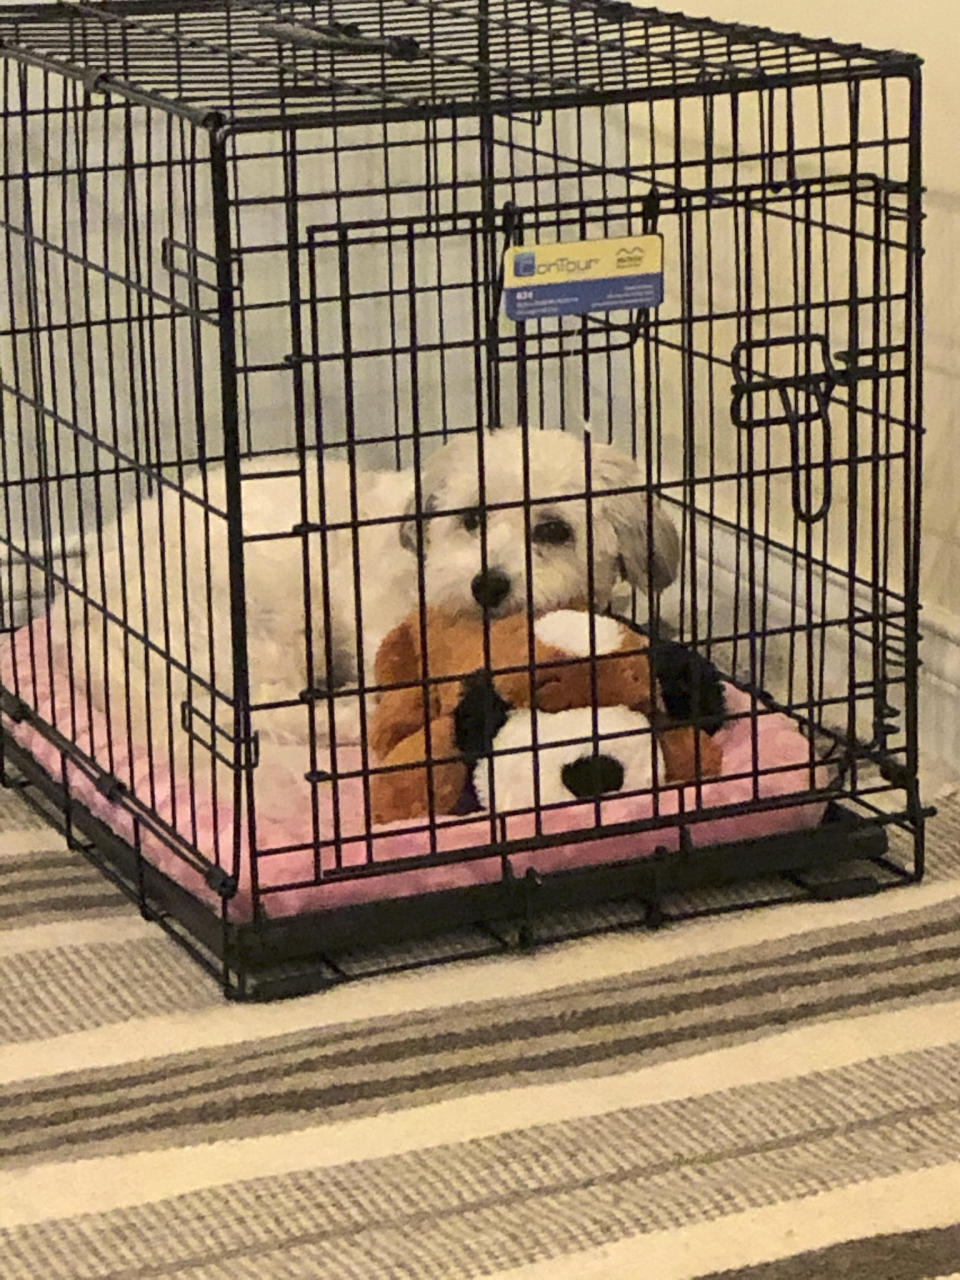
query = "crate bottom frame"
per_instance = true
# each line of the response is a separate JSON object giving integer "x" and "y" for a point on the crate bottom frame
{"x": 270, "y": 959}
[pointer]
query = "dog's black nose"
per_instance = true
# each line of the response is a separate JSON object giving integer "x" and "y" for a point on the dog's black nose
{"x": 490, "y": 588}
{"x": 592, "y": 776}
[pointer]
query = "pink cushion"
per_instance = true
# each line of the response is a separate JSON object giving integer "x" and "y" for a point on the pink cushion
{"x": 779, "y": 745}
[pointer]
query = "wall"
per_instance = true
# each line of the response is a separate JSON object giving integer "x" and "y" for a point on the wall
{"x": 929, "y": 28}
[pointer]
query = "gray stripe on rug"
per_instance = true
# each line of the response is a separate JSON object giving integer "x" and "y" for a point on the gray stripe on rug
{"x": 17, "y": 815}
{"x": 51, "y": 992}
{"x": 83, "y": 1007}
{"x": 943, "y": 840}
{"x": 24, "y": 866}
{"x": 48, "y": 908}
{"x": 37, "y": 888}
{"x": 473, "y": 1208}
{"x": 907, "y": 1255}
{"x": 335, "y": 1073}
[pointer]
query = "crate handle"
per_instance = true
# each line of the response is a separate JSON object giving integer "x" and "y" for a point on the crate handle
{"x": 342, "y": 37}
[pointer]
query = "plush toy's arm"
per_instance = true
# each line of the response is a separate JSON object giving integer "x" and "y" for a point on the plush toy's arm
{"x": 684, "y": 748}
{"x": 405, "y": 792}
{"x": 399, "y": 713}
{"x": 688, "y": 688}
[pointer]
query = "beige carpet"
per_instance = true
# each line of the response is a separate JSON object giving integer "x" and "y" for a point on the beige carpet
{"x": 771, "y": 1095}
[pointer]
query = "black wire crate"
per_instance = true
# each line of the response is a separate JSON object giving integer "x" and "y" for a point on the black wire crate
{"x": 461, "y": 468}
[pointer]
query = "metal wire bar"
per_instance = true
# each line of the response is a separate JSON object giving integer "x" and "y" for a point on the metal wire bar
{"x": 260, "y": 248}
{"x": 189, "y": 55}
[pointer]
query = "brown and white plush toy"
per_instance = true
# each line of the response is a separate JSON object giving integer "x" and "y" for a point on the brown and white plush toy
{"x": 545, "y": 664}
{"x": 585, "y": 753}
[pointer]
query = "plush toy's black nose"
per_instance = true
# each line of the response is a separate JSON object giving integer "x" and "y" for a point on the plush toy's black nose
{"x": 490, "y": 588}
{"x": 592, "y": 776}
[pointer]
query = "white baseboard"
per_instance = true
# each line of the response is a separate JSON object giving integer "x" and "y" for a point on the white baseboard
{"x": 940, "y": 685}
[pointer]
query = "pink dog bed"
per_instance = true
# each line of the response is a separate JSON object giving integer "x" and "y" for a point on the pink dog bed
{"x": 780, "y": 746}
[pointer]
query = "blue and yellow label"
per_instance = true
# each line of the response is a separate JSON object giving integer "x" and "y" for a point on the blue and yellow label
{"x": 571, "y": 279}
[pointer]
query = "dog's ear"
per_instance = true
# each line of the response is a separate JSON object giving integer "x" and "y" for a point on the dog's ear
{"x": 408, "y": 527}
{"x": 635, "y": 517}
{"x": 456, "y": 457}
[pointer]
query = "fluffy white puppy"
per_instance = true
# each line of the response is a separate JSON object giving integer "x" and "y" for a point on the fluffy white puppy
{"x": 321, "y": 554}
{"x": 551, "y": 553}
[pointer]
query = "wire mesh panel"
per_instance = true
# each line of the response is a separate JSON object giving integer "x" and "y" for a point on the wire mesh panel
{"x": 252, "y": 61}
{"x": 264, "y": 408}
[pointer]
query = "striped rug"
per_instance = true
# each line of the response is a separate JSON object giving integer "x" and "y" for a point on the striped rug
{"x": 772, "y": 1095}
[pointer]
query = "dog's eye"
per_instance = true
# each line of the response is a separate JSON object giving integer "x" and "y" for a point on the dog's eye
{"x": 554, "y": 531}
{"x": 470, "y": 520}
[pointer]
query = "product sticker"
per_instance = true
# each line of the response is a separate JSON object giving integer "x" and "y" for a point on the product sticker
{"x": 542, "y": 280}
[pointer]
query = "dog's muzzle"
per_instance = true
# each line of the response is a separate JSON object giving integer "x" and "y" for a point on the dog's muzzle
{"x": 490, "y": 589}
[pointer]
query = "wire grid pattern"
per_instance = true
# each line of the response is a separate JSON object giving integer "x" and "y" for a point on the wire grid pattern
{"x": 772, "y": 399}
{"x": 243, "y": 59}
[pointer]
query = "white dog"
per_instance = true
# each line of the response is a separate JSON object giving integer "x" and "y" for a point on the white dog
{"x": 163, "y": 575}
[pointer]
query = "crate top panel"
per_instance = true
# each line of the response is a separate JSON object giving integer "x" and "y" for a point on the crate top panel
{"x": 256, "y": 62}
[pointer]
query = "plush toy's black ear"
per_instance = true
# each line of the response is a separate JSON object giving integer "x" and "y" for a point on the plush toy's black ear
{"x": 479, "y": 715}
{"x": 690, "y": 685}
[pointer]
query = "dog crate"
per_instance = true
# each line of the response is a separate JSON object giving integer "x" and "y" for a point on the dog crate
{"x": 239, "y": 232}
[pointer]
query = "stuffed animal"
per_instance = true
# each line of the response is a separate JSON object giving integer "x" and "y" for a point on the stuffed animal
{"x": 568, "y": 763}
{"x": 413, "y": 723}
{"x": 413, "y": 731}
